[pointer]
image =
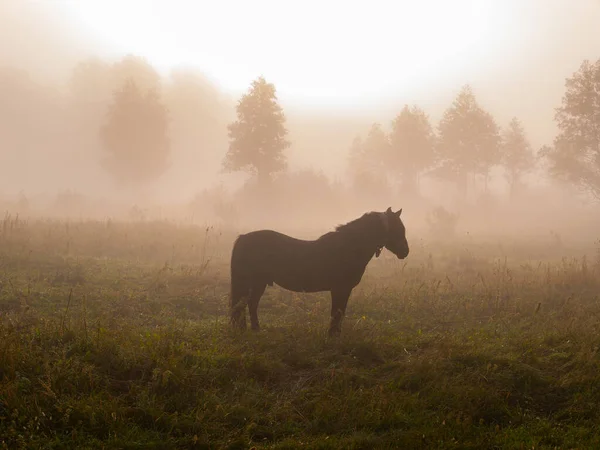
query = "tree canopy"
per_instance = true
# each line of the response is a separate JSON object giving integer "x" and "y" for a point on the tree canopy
{"x": 412, "y": 144}
{"x": 366, "y": 163}
{"x": 257, "y": 139}
{"x": 468, "y": 140}
{"x": 575, "y": 154}
{"x": 517, "y": 155}
{"x": 135, "y": 136}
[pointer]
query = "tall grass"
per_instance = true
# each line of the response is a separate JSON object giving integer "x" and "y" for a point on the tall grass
{"x": 116, "y": 335}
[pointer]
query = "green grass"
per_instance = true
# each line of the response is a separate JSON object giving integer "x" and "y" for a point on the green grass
{"x": 116, "y": 336}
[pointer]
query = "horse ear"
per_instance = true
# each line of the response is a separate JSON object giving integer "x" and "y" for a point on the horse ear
{"x": 399, "y": 212}
{"x": 389, "y": 210}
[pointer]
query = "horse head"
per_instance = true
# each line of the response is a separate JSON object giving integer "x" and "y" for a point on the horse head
{"x": 395, "y": 233}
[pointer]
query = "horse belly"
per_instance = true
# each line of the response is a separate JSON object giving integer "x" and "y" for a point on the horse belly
{"x": 301, "y": 278}
{"x": 302, "y": 287}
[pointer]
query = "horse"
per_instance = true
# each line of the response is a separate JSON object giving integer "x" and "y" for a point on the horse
{"x": 334, "y": 262}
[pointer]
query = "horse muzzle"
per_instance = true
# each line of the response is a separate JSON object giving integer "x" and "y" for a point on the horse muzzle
{"x": 404, "y": 254}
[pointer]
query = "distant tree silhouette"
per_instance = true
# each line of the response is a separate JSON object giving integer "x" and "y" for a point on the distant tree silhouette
{"x": 376, "y": 147}
{"x": 92, "y": 85}
{"x": 366, "y": 163}
{"x": 412, "y": 147}
{"x": 309, "y": 191}
{"x": 135, "y": 136}
{"x": 356, "y": 157}
{"x": 93, "y": 81}
{"x": 368, "y": 155}
{"x": 257, "y": 139}
{"x": 137, "y": 69}
{"x": 574, "y": 156}
{"x": 516, "y": 154}
{"x": 468, "y": 141}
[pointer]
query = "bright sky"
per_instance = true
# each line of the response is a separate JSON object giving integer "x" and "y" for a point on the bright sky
{"x": 313, "y": 50}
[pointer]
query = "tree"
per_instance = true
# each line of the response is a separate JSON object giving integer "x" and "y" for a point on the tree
{"x": 257, "y": 139}
{"x": 135, "y": 136}
{"x": 376, "y": 147}
{"x": 93, "y": 82}
{"x": 366, "y": 164}
{"x": 412, "y": 145}
{"x": 367, "y": 156}
{"x": 92, "y": 85}
{"x": 468, "y": 141}
{"x": 574, "y": 156}
{"x": 137, "y": 69}
{"x": 309, "y": 192}
{"x": 517, "y": 155}
{"x": 356, "y": 157}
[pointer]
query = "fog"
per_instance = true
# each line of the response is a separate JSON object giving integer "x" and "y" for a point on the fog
{"x": 58, "y": 79}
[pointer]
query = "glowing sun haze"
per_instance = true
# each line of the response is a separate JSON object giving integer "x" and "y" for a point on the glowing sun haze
{"x": 313, "y": 50}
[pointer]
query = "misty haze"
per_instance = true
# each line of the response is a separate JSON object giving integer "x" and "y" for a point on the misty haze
{"x": 405, "y": 193}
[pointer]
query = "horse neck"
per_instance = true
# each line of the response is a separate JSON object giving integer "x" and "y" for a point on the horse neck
{"x": 365, "y": 241}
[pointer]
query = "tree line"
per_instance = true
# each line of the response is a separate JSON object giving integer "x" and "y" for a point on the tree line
{"x": 466, "y": 144}
{"x": 122, "y": 116}
{"x": 138, "y": 122}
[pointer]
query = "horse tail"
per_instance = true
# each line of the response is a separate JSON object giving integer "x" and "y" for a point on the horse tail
{"x": 238, "y": 286}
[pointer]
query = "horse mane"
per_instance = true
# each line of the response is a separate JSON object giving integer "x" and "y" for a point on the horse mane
{"x": 362, "y": 224}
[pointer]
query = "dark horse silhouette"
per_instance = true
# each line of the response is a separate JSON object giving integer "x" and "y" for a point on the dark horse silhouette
{"x": 334, "y": 262}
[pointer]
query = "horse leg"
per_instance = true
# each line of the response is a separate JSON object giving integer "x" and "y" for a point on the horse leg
{"x": 238, "y": 313}
{"x": 339, "y": 301}
{"x": 255, "y": 295}
{"x": 239, "y": 297}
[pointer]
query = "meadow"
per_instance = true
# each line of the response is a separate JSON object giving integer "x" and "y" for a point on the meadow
{"x": 116, "y": 335}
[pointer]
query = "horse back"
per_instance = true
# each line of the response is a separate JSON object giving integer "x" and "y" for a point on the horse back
{"x": 295, "y": 264}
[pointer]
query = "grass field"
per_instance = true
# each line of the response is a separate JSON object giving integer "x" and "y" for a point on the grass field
{"x": 115, "y": 335}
